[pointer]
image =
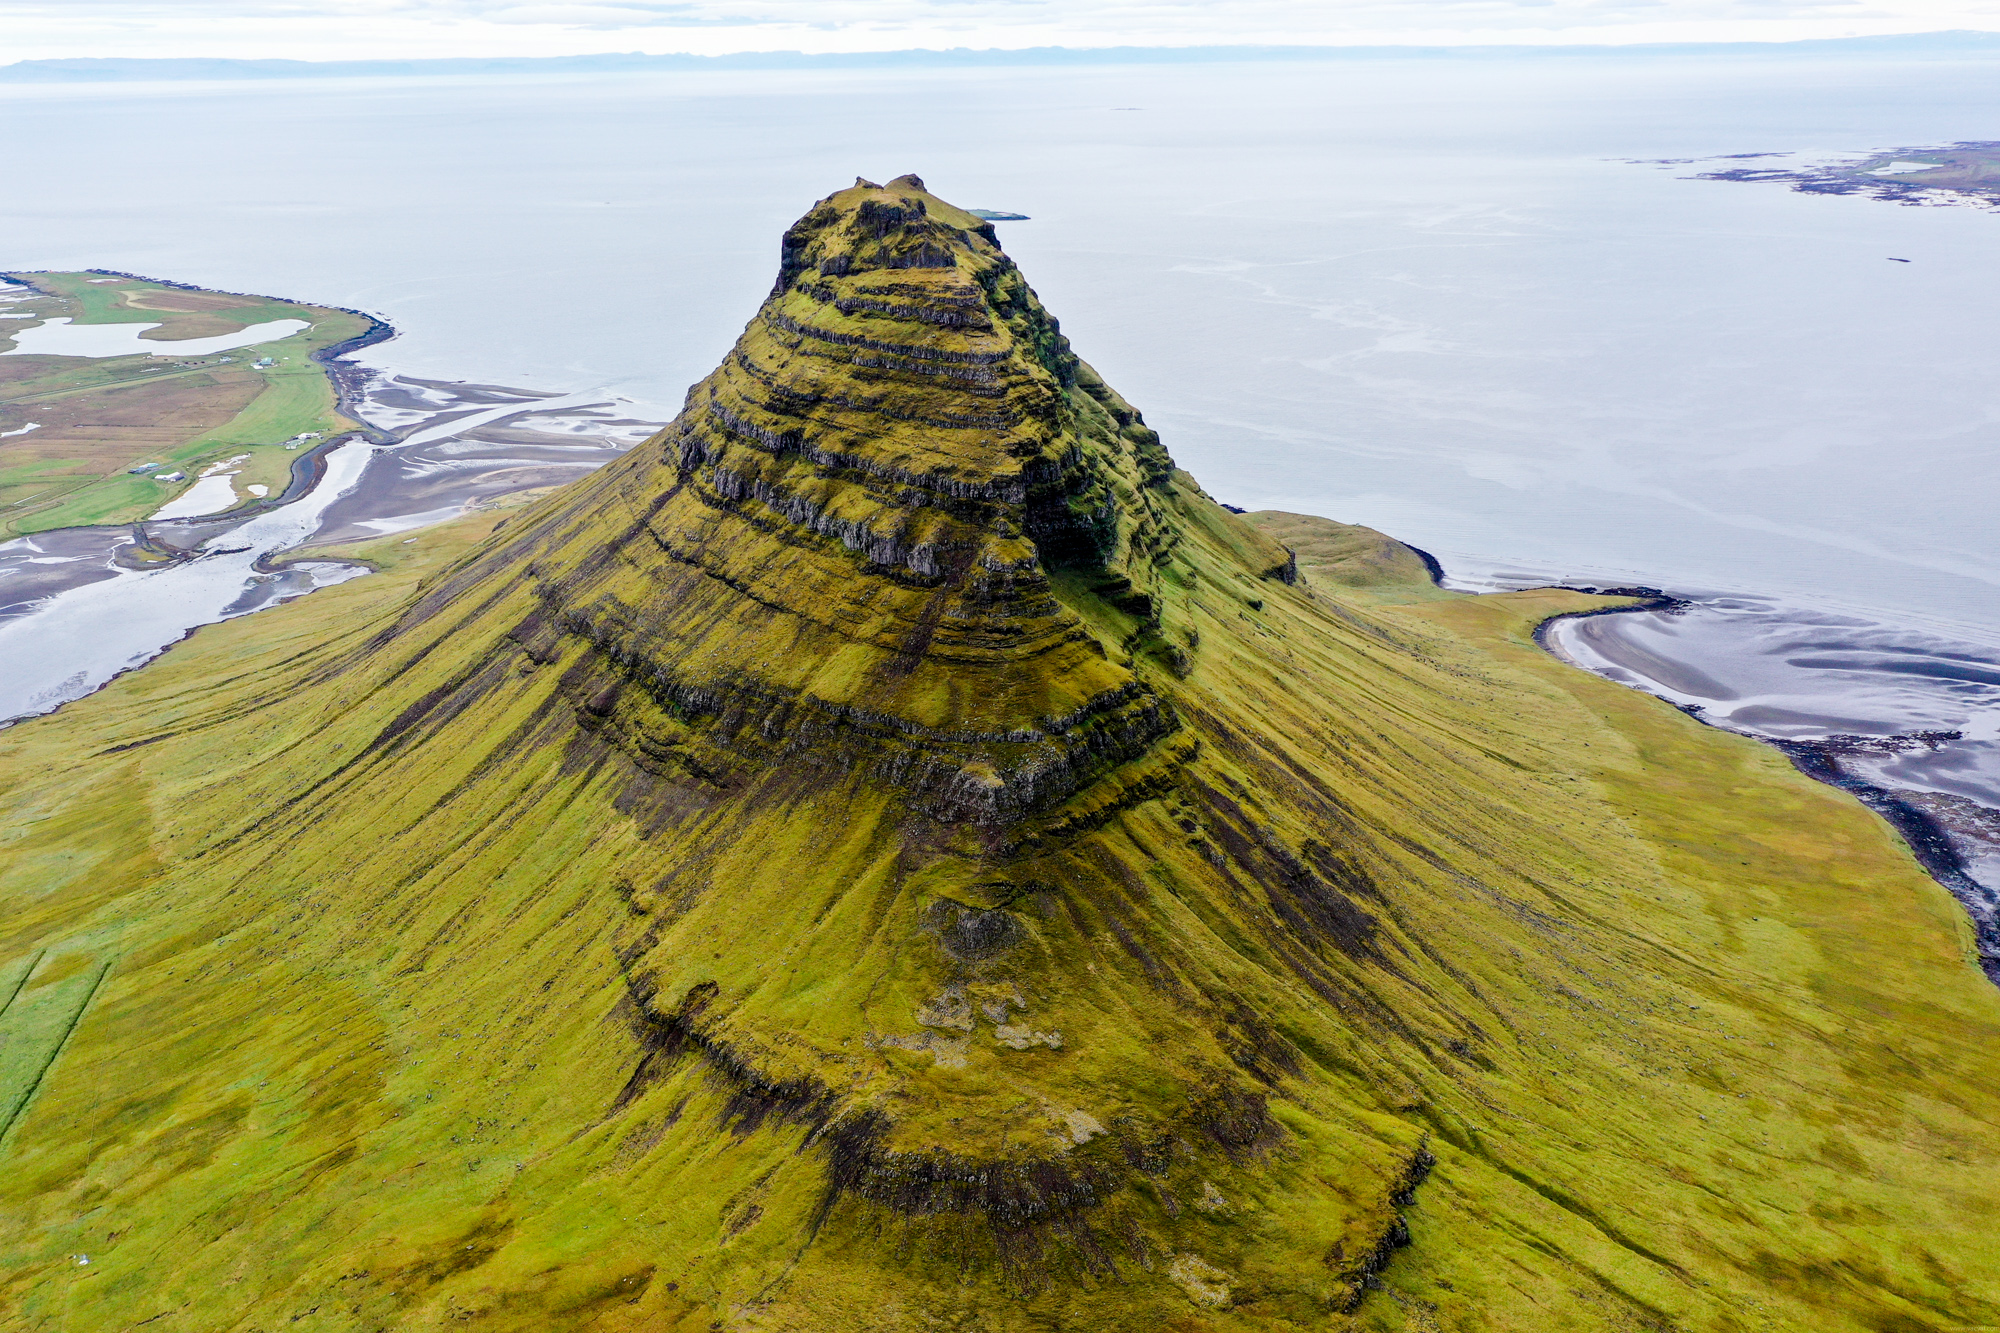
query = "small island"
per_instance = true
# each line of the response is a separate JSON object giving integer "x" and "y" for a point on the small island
{"x": 1960, "y": 173}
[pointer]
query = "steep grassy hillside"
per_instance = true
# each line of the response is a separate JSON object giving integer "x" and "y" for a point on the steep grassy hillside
{"x": 890, "y": 853}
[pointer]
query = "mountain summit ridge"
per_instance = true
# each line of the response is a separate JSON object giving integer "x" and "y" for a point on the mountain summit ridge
{"x": 891, "y": 853}
{"x": 829, "y": 490}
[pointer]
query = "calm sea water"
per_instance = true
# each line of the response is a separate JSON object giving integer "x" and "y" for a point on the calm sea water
{"x": 1437, "y": 297}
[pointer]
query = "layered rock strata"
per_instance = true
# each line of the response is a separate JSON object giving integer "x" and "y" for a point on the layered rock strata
{"x": 845, "y": 543}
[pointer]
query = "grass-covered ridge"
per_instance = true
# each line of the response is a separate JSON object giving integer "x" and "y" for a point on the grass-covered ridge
{"x": 824, "y": 872}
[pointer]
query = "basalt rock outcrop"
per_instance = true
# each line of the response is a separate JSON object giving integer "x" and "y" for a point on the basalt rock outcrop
{"x": 892, "y": 853}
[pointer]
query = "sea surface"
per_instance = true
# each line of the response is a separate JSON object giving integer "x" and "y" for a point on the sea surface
{"x": 1462, "y": 301}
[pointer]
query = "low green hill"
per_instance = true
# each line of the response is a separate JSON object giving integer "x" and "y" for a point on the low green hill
{"x": 889, "y": 853}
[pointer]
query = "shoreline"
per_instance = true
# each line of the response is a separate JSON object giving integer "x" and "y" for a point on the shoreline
{"x": 1854, "y": 176}
{"x": 307, "y": 471}
{"x": 1929, "y": 842}
{"x": 349, "y": 383}
{"x": 349, "y": 380}
{"x": 207, "y": 594}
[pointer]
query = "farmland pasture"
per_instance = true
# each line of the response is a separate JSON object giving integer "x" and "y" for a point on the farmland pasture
{"x": 95, "y": 418}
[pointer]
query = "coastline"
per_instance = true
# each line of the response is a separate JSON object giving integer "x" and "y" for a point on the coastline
{"x": 210, "y": 407}
{"x": 349, "y": 380}
{"x": 1929, "y": 841}
{"x": 1953, "y": 183}
{"x": 409, "y": 452}
{"x": 307, "y": 470}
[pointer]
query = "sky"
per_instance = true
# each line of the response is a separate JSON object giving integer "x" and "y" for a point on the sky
{"x": 406, "y": 29}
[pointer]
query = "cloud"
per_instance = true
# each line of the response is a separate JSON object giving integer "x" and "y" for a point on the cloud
{"x": 330, "y": 29}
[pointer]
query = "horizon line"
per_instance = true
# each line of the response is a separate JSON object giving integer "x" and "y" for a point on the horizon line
{"x": 85, "y": 68}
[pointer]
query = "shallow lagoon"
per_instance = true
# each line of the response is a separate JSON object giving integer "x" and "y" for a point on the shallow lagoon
{"x": 60, "y": 337}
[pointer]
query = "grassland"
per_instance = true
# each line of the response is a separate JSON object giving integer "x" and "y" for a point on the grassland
{"x": 99, "y": 417}
{"x": 757, "y": 888}
{"x": 1750, "y": 1091}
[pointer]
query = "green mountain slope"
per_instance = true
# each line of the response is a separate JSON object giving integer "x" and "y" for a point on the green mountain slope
{"x": 890, "y": 853}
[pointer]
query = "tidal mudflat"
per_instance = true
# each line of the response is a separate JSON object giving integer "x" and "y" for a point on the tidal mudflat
{"x": 445, "y": 447}
{"x": 1907, "y": 718}
{"x": 112, "y": 619}
{"x": 112, "y": 597}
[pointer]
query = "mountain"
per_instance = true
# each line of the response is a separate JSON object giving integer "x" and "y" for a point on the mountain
{"x": 1956, "y": 44}
{"x": 892, "y": 853}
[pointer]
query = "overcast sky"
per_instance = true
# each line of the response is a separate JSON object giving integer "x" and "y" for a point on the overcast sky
{"x": 348, "y": 29}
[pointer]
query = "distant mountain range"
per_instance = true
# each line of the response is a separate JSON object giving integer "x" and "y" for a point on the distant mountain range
{"x": 1923, "y": 45}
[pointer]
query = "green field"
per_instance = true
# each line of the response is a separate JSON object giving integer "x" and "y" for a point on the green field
{"x": 42, "y": 998}
{"x": 99, "y": 417}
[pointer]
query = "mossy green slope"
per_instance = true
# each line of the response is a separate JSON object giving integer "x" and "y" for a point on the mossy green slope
{"x": 890, "y": 853}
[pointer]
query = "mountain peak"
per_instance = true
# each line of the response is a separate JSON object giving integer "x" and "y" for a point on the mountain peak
{"x": 849, "y": 539}
{"x": 900, "y": 225}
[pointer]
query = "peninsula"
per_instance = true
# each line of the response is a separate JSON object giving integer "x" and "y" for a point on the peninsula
{"x": 1959, "y": 173}
{"x": 118, "y": 393}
